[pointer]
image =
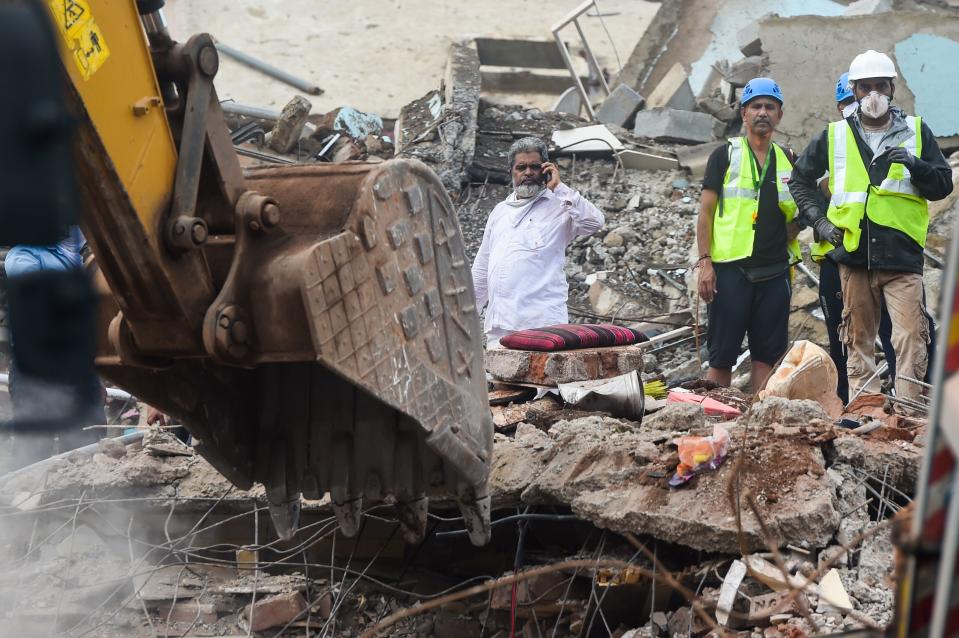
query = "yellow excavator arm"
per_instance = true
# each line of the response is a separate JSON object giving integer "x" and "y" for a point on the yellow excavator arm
{"x": 313, "y": 325}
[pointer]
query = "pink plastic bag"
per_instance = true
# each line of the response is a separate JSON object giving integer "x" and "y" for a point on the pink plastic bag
{"x": 698, "y": 453}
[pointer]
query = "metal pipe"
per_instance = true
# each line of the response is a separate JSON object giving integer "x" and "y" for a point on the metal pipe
{"x": 250, "y": 111}
{"x": 564, "y": 51}
{"x": 269, "y": 69}
{"x": 265, "y": 157}
{"x": 113, "y": 393}
{"x": 126, "y": 439}
{"x": 154, "y": 23}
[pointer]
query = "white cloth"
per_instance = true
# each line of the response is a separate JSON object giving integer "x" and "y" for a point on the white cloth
{"x": 519, "y": 271}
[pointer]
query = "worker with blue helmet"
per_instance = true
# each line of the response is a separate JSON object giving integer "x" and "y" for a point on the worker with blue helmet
{"x": 845, "y": 100}
{"x": 746, "y": 240}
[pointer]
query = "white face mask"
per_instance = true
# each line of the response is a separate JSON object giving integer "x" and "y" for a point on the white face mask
{"x": 849, "y": 109}
{"x": 874, "y": 105}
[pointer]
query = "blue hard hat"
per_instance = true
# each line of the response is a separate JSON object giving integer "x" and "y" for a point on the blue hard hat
{"x": 760, "y": 87}
{"x": 843, "y": 92}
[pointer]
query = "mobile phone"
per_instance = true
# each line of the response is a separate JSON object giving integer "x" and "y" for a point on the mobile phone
{"x": 547, "y": 175}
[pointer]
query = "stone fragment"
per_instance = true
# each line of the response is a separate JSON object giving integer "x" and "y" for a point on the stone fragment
{"x": 275, "y": 611}
{"x": 671, "y": 125}
{"x": 551, "y": 368}
{"x": 673, "y": 91}
{"x": 783, "y": 411}
{"x": 286, "y": 131}
{"x": 620, "y": 106}
{"x": 613, "y": 240}
{"x": 676, "y": 417}
{"x": 686, "y": 622}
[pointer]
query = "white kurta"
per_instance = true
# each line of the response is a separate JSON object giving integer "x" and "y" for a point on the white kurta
{"x": 519, "y": 271}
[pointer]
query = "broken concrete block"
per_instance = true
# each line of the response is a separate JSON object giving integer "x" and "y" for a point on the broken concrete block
{"x": 673, "y": 91}
{"x": 647, "y": 161}
{"x": 620, "y": 106}
{"x": 286, "y": 131}
{"x": 867, "y": 7}
{"x": 610, "y": 473}
{"x": 676, "y": 417}
{"x": 718, "y": 109}
{"x": 748, "y": 38}
{"x": 742, "y": 71}
{"x": 694, "y": 158}
{"x": 832, "y": 593}
{"x": 275, "y": 611}
{"x": 583, "y": 139}
{"x": 551, "y": 368}
{"x": 671, "y": 125}
{"x": 686, "y": 622}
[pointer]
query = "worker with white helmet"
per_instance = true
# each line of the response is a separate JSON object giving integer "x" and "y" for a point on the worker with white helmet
{"x": 884, "y": 167}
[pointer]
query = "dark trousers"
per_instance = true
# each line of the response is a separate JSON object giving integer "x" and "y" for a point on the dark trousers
{"x": 830, "y": 300}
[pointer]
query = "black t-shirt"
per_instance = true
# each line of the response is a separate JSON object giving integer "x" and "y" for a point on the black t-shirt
{"x": 769, "y": 243}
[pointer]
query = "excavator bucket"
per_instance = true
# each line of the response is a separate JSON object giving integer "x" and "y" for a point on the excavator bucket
{"x": 313, "y": 326}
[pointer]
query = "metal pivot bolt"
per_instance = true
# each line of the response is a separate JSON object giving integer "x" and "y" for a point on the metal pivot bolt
{"x": 262, "y": 213}
{"x": 187, "y": 233}
{"x": 208, "y": 60}
{"x": 233, "y": 332}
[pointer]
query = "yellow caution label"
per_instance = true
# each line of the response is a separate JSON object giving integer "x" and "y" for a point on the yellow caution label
{"x": 83, "y": 37}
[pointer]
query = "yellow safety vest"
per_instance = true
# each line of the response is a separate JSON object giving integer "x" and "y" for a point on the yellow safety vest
{"x": 895, "y": 203}
{"x": 734, "y": 220}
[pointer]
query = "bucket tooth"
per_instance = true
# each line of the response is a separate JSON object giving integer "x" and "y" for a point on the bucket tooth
{"x": 349, "y": 516}
{"x": 476, "y": 516}
{"x": 285, "y": 515}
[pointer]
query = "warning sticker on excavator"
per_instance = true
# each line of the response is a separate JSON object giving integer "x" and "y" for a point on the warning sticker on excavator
{"x": 83, "y": 37}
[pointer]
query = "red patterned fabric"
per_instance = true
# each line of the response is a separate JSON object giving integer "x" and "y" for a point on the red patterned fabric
{"x": 572, "y": 337}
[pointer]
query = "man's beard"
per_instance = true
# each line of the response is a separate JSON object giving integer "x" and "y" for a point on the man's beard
{"x": 525, "y": 191}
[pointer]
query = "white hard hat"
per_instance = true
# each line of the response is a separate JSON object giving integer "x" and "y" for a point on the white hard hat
{"x": 872, "y": 64}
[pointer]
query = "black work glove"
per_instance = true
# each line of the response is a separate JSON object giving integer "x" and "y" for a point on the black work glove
{"x": 899, "y": 155}
{"x": 826, "y": 230}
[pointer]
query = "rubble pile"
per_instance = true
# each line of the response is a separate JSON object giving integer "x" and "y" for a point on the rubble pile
{"x": 129, "y": 540}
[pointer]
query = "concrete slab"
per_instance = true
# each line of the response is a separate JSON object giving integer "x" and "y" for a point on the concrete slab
{"x": 673, "y": 91}
{"x": 647, "y": 161}
{"x": 671, "y": 125}
{"x": 809, "y": 87}
{"x": 620, "y": 107}
{"x": 586, "y": 139}
{"x": 551, "y": 368}
{"x": 612, "y": 473}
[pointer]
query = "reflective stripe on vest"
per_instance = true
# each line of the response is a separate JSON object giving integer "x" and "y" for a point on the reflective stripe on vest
{"x": 735, "y": 215}
{"x": 895, "y": 203}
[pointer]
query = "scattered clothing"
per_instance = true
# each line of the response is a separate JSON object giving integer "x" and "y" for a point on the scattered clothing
{"x": 572, "y": 337}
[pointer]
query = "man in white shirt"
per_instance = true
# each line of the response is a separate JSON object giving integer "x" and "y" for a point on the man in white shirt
{"x": 518, "y": 273}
